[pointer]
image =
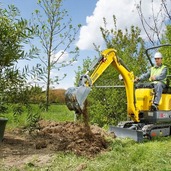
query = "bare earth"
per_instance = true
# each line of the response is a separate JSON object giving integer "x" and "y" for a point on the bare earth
{"x": 20, "y": 147}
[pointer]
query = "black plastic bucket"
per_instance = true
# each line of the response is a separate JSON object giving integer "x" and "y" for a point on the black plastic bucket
{"x": 3, "y": 122}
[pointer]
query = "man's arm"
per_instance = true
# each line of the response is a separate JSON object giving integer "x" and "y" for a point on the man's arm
{"x": 144, "y": 76}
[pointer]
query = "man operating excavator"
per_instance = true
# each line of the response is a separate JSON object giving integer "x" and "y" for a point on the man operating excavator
{"x": 157, "y": 75}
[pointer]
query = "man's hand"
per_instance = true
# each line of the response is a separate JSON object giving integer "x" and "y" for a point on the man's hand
{"x": 152, "y": 78}
{"x": 136, "y": 79}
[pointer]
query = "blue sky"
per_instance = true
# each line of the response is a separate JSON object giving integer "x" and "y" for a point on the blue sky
{"x": 77, "y": 11}
{"x": 90, "y": 14}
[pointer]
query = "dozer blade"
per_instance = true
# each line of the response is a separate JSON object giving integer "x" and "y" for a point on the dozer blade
{"x": 126, "y": 133}
{"x": 75, "y": 98}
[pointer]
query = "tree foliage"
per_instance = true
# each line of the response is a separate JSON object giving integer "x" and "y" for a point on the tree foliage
{"x": 166, "y": 51}
{"x": 14, "y": 33}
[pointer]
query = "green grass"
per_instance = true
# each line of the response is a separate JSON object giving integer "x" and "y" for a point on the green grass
{"x": 55, "y": 113}
{"x": 124, "y": 154}
{"x": 58, "y": 113}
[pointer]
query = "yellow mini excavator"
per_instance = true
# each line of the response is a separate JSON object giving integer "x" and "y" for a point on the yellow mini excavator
{"x": 143, "y": 122}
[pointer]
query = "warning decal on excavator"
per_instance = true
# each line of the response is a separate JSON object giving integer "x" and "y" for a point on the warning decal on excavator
{"x": 162, "y": 115}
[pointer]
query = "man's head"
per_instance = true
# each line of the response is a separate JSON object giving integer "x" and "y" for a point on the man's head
{"x": 158, "y": 58}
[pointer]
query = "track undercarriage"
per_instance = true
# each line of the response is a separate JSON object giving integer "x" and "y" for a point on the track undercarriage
{"x": 153, "y": 124}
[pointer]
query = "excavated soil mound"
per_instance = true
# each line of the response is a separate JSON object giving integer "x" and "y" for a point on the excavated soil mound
{"x": 55, "y": 136}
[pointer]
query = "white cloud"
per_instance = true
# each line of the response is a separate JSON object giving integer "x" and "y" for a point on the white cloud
{"x": 61, "y": 56}
{"x": 126, "y": 15}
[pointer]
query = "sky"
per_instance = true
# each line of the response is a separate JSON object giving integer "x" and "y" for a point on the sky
{"x": 90, "y": 14}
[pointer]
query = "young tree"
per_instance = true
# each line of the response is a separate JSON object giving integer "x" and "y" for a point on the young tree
{"x": 55, "y": 32}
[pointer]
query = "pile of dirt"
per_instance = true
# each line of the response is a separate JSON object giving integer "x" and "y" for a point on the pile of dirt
{"x": 53, "y": 136}
{"x": 70, "y": 136}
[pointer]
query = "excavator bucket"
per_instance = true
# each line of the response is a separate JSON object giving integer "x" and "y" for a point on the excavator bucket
{"x": 75, "y": 98}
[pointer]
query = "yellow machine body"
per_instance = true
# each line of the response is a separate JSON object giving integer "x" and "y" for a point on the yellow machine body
{"x": 165, "y": 102}
{"x": 144, "y": 98}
